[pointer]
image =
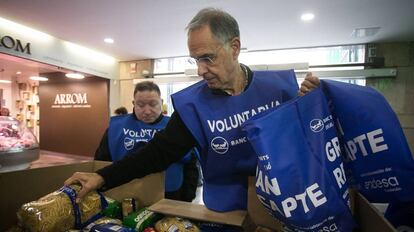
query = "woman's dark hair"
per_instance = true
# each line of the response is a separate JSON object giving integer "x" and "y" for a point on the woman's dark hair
{"x": 121, "y": 110}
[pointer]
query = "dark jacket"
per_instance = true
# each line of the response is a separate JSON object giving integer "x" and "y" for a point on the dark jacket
{"x": 187, "y": 191}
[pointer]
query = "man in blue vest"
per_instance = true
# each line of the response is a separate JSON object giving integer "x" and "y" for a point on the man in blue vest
{"x": 208, "y": 115}
{"x": 128, "y": 133}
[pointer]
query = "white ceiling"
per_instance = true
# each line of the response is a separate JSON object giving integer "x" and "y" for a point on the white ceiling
{"x": 156, "y": 28}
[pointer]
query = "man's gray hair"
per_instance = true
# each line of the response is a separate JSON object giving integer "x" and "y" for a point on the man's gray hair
{"x": 223, "y": 26}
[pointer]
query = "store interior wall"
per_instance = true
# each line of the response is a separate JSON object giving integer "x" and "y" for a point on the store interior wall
{"x": 6, "y": 94}
{"x": 128, "y": 71}
{"x": 75, "y": 131}
{"x": 398, "y": 91}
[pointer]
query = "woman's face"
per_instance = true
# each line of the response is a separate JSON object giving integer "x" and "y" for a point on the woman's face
{"x": 4, "y": 112}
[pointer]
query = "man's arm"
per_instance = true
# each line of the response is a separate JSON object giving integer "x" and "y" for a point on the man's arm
{"x": 167, "y": 146}
{"x": 190, "y": 179}
{"x": 102, "y": 152}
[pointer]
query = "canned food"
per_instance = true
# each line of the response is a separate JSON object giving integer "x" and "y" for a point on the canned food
{"x": 128, "y": 206}
{"x": 149, "y": 229}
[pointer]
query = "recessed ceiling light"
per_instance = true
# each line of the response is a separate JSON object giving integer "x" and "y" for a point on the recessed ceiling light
{"x": 37, "y": 78}
{"x": 307, "y": 16}
{"x": 109, "y": 40}
{"x": 74, "y": 75}
{"x": 18, "y": 72}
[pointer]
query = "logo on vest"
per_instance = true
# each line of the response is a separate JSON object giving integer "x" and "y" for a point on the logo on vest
{"x": 316, "y": 125}
{"x": 219, "y": 145}
{"x": 129, "y": 143}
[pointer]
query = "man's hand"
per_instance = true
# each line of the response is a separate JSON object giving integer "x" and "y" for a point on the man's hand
{"x": 89, "y": 182}
{"x": 311, "y": 82}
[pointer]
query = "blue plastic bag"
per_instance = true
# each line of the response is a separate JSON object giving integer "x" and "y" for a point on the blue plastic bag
{"x": 378, "y": 158}
{"x": 300, "y": 177}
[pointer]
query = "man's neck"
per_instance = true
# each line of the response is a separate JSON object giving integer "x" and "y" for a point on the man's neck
{"x": 240, "y": 82}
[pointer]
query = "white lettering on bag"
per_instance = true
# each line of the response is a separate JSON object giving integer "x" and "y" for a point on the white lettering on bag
{"x": 272, "y": 186}
{"x": 376, "y": 144}
{"x": 314, "y": 194}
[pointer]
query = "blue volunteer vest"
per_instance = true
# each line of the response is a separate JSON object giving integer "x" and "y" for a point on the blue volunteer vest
{"x": 134, "y": 134}
{"x": 300, "y": 177}
{"x": 214, "y": 121}
{"x": 378, "y": 158}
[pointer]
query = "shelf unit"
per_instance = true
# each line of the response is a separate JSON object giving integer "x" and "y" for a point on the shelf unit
{"x": 27, "y": 107}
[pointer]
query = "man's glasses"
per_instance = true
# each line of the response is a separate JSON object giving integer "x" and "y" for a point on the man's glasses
{"x": 207, "y": 59}
{"x": 202, "y": 60}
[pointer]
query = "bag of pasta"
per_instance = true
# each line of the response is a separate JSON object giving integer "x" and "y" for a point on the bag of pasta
{"x": 58, "y": 211}
{"x": 175, "y": 224}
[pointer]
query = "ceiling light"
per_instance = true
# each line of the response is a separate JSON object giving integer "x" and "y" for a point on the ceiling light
{"x": 75, "y": 75}
{"x": 109, "y": 40}
{"x": 5, "y": 81}
{"x": 18, "y": 72}
{"x": 37, "y": 78}
{"x": 307, "y": 16}
{"x": 365, "y": 32}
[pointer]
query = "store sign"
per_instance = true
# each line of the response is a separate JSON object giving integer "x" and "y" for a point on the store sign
{"x": 47, "y": 49}
{"x": 71, "y": 100}
{"x": 14, "y": 44}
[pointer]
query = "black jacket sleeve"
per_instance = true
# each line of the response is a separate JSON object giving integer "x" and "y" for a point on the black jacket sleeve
{"x": 102, "y": 152}
{"x": 168, "y": 146}
{"x": 190, "y": 182}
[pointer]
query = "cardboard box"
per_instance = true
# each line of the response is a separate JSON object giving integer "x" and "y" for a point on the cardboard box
{"x": 20, "y": 187}
{"x": 367, "y": 216}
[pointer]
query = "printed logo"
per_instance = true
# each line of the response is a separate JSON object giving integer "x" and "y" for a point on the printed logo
{"x": 128, "y": 143}
{"x": 219, "y": 145}
{"x": 316, "y": 125}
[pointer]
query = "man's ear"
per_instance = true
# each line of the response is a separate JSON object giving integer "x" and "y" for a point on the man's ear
{"x": 235, "y": 47}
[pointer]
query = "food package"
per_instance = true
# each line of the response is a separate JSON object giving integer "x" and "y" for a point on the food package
{"x": 107, "y": 224}
{"x": 59, "y": 212}
{"x": 141, "y": 219}
{"x": 175, "y": 224}
{"x": 129, "y": 205}
{"x": 215, "y": 227}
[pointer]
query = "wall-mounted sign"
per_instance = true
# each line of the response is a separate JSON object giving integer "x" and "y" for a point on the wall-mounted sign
{"x": 71, "y": 100}
{"x": 20, "y": 41}
{"x": 14, "y": 44}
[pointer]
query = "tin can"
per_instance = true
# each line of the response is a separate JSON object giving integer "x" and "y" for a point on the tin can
{"x": 149, "y": 229}
{"x": 128, "y": 206}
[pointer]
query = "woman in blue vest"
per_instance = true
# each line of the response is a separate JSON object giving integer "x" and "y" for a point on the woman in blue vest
{"x": 208, "y": 115}
{"x": 128, "y": 133}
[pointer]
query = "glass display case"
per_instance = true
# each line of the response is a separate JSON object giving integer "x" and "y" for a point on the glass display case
{"x": 18, "y": 145}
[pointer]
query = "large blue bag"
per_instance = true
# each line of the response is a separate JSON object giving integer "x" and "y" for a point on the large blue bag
{"x": 300, "y": 177}
{"x": 378, "y": 158}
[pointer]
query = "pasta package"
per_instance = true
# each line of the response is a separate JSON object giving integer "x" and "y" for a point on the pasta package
{"x": 58, "y": 211}
{"x": 175, "y": 224}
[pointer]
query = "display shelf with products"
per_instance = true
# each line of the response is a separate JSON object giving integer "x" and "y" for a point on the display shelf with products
{"x": 27, "y": 107}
